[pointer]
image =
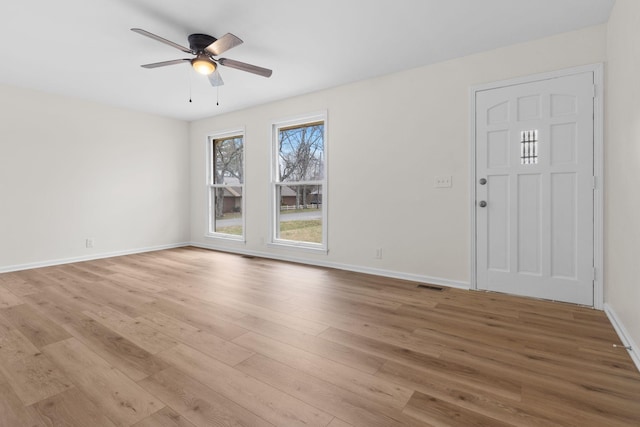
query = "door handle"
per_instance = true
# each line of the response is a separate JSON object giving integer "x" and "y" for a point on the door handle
{"x": 482, "y": 204}
{"x": 483, "y": 181}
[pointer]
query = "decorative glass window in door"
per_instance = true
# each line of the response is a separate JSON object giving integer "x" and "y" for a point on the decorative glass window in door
{"x": 529, "y": 147}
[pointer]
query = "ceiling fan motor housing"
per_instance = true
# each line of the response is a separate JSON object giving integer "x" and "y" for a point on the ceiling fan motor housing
{"x": 198, "y": 42}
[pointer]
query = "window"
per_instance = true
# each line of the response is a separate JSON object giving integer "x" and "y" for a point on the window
{"x": 299, "y": 183}
{"x": 529, "y": 147}
{"x": 226, "y": 185}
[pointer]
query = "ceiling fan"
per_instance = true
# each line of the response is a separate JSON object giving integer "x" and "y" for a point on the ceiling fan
{"x": 206, "y": 48}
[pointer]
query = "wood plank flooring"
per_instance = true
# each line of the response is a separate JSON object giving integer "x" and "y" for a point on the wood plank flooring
{"x": 190, "y": 337}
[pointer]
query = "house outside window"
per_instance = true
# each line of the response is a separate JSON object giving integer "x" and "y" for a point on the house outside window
{"x": 299, "y": 183}
{"x": 226, "y": 185}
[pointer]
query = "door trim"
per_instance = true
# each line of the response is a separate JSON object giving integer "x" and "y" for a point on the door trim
{"x": 598, "y": 167}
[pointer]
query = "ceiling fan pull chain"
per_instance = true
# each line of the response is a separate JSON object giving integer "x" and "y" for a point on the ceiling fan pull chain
{"x": 217, "y": 95}
{"x": 189, "y": 77}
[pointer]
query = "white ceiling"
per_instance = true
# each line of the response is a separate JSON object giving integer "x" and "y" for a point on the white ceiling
{"x": 85, "y": 49}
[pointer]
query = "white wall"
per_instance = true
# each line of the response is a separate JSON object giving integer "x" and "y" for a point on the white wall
{"x": 71, "y": 169}
{"x": 388, "y": 138}
{"x": 622, "y": 168}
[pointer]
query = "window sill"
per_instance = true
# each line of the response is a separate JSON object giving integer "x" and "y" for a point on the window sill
{"x": 227, "y": 237}
{"x": 299, "y": 246}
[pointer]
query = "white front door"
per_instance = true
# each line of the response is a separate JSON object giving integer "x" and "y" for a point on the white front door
{"x": 534, "y": 189}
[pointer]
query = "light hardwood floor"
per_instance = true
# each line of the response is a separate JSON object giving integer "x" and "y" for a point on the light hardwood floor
{"x": 190, "y": 337}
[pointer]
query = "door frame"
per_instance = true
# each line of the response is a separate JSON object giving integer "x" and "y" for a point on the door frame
{"x": 598, "y": 167}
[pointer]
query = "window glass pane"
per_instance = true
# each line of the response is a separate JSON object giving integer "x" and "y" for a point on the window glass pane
{"x": 300, "y": 213}
{"x": 299, "y": 183}
{"x": 226, "y": 183}
{"x": 227, "y": 165}
{"x": 301, "y": 153}
{"x": 227, "y": 210}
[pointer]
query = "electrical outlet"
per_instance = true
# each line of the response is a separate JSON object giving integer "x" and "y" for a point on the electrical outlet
{"x": 443, "y": 181}
{"x": 89, "y": 243}
{"x": 378, "y": 253}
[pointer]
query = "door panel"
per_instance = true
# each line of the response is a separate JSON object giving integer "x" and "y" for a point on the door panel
{"x": 529, "y": 220}
{"x": 563, "y": 143}
{"x": 498, "y": 223}
{"x": 534, "y": 146}
{"x": 498, "y": 149}
{"x": 564, "y": 244}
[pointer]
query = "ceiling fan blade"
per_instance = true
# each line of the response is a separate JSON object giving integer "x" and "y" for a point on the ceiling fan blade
{"x": 264, "y": 72}
{"x": 165, "y": 63}
{"x": 161, "y": 40}
{"x": 223, "y": 44}
{"x": 215, "y": 79}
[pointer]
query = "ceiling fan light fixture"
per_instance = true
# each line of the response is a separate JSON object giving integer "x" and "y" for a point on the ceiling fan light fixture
{"x": 203, "y": 65}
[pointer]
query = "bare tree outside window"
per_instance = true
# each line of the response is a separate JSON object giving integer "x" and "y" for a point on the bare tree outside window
{"x": 226, "y": 192}
{"x": 301, "y": 158}
{"x": 300, "y": 182}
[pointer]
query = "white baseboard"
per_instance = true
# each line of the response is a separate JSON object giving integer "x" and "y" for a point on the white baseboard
{"x": 49, "y": 263}
{"x": 625, "y": 337}
{"x": 347, "y": 267}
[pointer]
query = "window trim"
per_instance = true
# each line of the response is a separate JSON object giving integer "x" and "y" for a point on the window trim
{"x": 209, "y": 183}
{"x": 274, "y": 217}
